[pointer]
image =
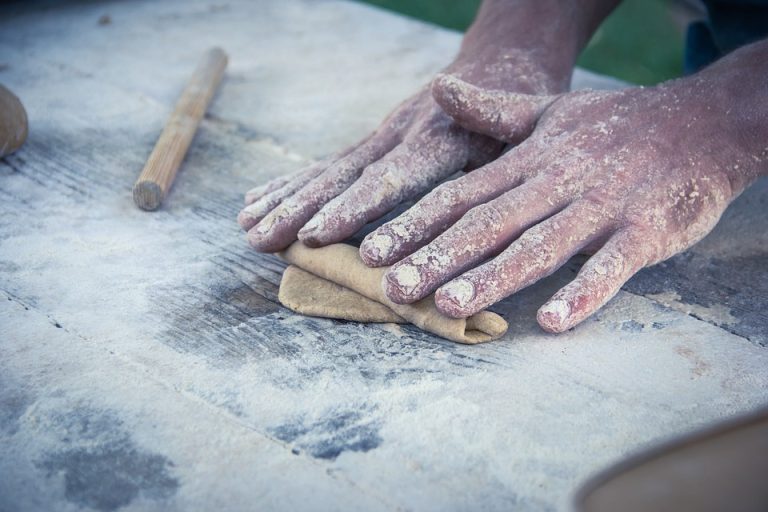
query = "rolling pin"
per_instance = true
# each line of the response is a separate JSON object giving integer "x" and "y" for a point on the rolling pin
{"x": 160, "y": 170}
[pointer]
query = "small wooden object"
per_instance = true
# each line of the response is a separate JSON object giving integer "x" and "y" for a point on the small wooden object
{"x": 163, "y": 164}
{"x": 13, "y": 122}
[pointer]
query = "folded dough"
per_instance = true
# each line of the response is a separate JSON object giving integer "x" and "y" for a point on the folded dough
{"x": 335, "y": 283}
{"x": 308, "y": 294}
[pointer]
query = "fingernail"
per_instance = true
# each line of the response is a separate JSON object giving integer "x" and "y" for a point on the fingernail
{"x": 402, "y": 282}
{"x": 376, "y": 248}
{"x": 251, "y": 196}
{"x": 553, "y": 315}
{"x": 310, "y": 227}
{"x": 262, "y": 239}
{"x": 315, "y": 231}
{"x": 460, "y": 292}
{"x": 258, "y": 208}
{"x": 254, "y": 238}
{"x": 245, "y": 220}
{"x": 266, "y": 224}
{"x": 445, "y": 78}
{"x": 452, "y": 85}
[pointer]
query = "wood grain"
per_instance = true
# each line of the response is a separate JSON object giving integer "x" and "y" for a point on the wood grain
{"x": 135, "y": 348}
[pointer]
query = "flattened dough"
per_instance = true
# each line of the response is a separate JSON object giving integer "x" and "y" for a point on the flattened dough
{"x": 341, "y": 265}
{"x": 310, "y": 295}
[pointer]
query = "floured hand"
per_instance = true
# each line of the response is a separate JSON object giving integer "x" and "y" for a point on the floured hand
{"x": 637, "y": 175}
{"x": 416, "y": 146}
{"x": 419, "y": 145}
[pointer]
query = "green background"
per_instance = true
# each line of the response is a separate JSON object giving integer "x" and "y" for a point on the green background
{"x": 639, "y": 42}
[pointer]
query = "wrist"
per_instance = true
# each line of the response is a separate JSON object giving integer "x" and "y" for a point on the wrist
{"x": 527, "y": 46}
{"x": 521, "y": 70}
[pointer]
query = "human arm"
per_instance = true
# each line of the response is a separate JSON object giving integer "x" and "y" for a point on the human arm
{"x": 526, "y": 47}
{"x": 636, "y": 175}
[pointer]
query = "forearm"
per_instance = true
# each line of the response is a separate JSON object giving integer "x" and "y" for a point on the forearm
{"x": 540, "y": 37}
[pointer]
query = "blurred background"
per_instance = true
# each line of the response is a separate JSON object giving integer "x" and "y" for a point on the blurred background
{"x": 641, "y": 42}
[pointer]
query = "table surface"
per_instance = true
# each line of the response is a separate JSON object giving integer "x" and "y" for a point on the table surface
{"x": 145, "y": 363}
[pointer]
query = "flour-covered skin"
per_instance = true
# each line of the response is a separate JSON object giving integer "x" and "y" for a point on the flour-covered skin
{"x": 419, "y": 145}
{"x": 259, "y": 201}
{"x": 639, "y": 174}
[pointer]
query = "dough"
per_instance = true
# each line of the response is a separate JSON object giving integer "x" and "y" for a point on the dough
{"x": 13, "y": 122}
{"x": 339, "y": 267}
{"x": 308, "y": 294}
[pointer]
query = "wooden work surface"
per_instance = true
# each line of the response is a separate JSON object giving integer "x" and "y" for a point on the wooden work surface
{"x": 146, "y": 365}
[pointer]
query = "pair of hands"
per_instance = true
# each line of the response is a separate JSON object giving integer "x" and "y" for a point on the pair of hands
{"x": 633, "y": 176}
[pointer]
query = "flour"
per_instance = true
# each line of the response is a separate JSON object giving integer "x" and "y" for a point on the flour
{"x": 228, "y": 396}
{"x": 460, "y": 291}
{"x": 717, "y": 314}
{"x": 382, "y": 244}
{"x": 406, "y": 277}
{"x": 558, "y": 309}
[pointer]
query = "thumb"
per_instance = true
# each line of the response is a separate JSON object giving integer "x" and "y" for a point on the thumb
{"x": 506, "y": 116}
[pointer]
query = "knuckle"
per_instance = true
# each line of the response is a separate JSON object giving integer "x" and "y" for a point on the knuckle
{"x": 445, "y": 194}
{"x": 485, "y": 216}
{"x": 385, "y": 175}
{"x": 375, "y": 170}
{"x": 637, "y": 243}
{"x": 543, "y": 237}
{"x": 641, "y": 220}
{"x": 594, "y": 210}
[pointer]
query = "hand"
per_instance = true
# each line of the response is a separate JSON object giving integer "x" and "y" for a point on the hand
{"x": 418, "y": 144}
{"x": 638, "y": 174}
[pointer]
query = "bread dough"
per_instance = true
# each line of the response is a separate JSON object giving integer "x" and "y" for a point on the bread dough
{"x": 13, "y": 122}
{"x": 308, "y": 294}
{"x": 341, "y": 265}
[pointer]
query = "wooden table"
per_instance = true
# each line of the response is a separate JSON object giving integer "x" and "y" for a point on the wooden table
{"x": 146, "y": 364}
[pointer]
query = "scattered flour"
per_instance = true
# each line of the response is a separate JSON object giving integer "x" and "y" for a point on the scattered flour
{"x": 717, "y": 314}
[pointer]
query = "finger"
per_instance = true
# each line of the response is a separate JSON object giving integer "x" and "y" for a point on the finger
{"x": 601, "y": 277}
{"x": 408, "y": 170}
{"x": 536, "y": 254}
{"x": 271, "y": 194}
{"x": 510, "y": 117}
{"x": 279, "y": 228}
{"x": 254, "y": 212}
{"x": 480, "y": 233}
{"x": 483, "y": 150}
{"x": 273, "y": 185}
{"x": 257, "y": 193}
{"x": 442, "y": 207}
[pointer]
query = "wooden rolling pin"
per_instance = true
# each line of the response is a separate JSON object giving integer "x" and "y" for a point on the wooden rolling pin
{"x": 163, "y": 164}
